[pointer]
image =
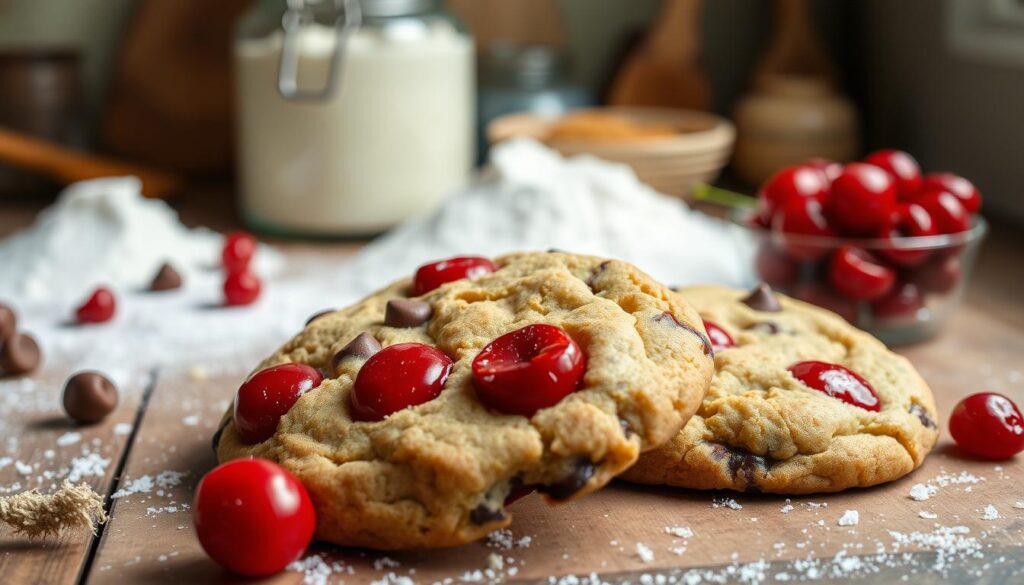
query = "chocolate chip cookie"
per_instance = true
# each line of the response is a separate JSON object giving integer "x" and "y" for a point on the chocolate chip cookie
{"x": 801, "y": 402}
{"x": 414, "y": 420}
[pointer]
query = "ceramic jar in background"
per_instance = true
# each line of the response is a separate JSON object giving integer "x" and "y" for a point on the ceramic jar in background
{"x": 789, "y": 119}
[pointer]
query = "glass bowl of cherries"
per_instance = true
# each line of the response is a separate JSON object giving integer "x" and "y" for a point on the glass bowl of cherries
{"x": 876, "y": 241}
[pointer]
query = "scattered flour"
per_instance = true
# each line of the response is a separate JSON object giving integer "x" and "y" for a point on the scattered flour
{"x": 679, "y": 531}
{"x": 921, "y": 492}
{"x": 190, "y": 420}
{"x": 990, "y": 513}
{"x": 87, "y": 466}
{"x": 644, "y": 552}
{"x": 726, "y": 503}
{"x": 69, "y": 438}
{"x": 850, "y": 518}
{"x": 121, "y": 429}
{"x": 927, "y": 515}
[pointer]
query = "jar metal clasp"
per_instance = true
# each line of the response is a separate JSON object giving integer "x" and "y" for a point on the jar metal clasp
{"x": 300, "y": 13}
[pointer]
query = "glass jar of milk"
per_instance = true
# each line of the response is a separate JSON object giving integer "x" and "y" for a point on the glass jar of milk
{"x": 352, "y": 114}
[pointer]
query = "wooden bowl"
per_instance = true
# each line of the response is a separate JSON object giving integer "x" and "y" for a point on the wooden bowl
{"x": 671, "y": 164}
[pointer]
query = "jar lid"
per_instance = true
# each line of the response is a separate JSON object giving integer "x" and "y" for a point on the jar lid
{"x": 388, "y": 8}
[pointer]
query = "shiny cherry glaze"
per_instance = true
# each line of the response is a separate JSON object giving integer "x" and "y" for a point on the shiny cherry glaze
{"x": 241, "y": 288}
{"x": 902, "y": 302}
{"x": 831, "y": 168}
{"x": 267, "y": 395}
{"x": 988, "y": 425}
{"x": 964, "y": 190}
{"x": 863, "y": 200}
{"x": 796, "y": 182}
{"x": 430, "y": 276}
{"x": 397, "y": 377}
{"x": 857, "y": 275}
{"x": 252, "y": 517}
{"x": 99, "y": 308}
{"x": 801, "y": 216}
{"x": 720, "y": 339}
{"x": 838, "y": 382}
{"x": 528, "y": 369}
{"x": 239, "y": 248}
{"x": 774, "y": 267}
{"x": 903, "y": 169}
{"x": 911, "y": 221}
{"x": 947, "y": 212}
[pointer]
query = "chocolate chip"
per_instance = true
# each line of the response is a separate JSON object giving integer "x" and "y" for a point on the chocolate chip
{"x": 627, "y": 429}
{"x": 762, "y": 298}
{"x": 317, "y": 315}
{"x": 8, "y": 322}
{"x": 768, "y": 327}
{"x": 89, "y": 397}
{"x": 362, "y": 347}
{"x": 567, "y": 487}
{"x": 167, "y": 278}
{"x": 484, "y": 514}
{"x": 19, "y": 354}
{"x": 215, "y": 442}
{"x": 741, "y": 462}
{"x": 600, "y": 268}
{"x": 922, "y": 415}
{"x": 407, "y": 313}
{"x": 708, "y": 351}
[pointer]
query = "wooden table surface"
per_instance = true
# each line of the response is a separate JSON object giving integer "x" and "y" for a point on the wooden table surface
{"x": 160, "y": 437}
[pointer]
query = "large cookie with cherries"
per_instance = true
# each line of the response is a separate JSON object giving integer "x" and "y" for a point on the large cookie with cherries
{"x": 801, "y": 402}
{"x": 414, "y": 416}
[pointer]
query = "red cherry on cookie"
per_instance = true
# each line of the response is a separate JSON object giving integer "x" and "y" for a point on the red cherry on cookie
{"x": 98, "y": 308}
{"x": 253, "y": 517}
{"x": 528, "y": 369}
{"x": 241, "y": 288}
{"x": 964, "y": 190}
{"x": 947, "y": 212}
{"x": 903, "y": 169}
{"x": 720, "y": 339}
{"x": 862, "y": 201}
{"x": 397, "y": 377}
{"x": 858, "y": 275}
{"x": 838, "y": 382}
{"x": 267, "y": 395}
{"x": 239, "y": 248}
{"x": 988, "y": 425}
{"x": 912, "y": 221}
{"x": 430, "y": 276}
{"x": 796, "y": 182}
{"x": 801, "y": 216}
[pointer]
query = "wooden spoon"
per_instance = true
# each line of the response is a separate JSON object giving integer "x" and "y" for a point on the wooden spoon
{"x": 67, "y": 166}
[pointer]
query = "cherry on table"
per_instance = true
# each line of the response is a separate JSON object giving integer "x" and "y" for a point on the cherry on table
{"x": 988, "y": 425}
{"x": 856, "y": 274}
{"x": 720, "y": 338}
{"x": 963, "y": 189}
{"x": 946, "y": 210}
{"x": 267, "y": 395}
{"x": 430, "y": 276}
{"x": 239, "y": 249}
{"x": 528, "y": 369}
{"x": 795, "y": 182}
{"x": 911, "y": 221}
{"x": 904, "y": 301}
{"x": 903, "y": 169}
{"x": 241, "y": 288}
{"x": 862, "y": 201}
{"x": 838, "y": 382}
{"x": 99, "y": 308}
{"x": 397, "y": 377}
{"x": 253, "y": 517}
{"x": 801, "y": 216}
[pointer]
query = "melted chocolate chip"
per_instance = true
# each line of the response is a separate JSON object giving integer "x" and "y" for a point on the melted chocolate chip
{"x": 362, "y": 347}
{"x": 8, "y": 322}
{"x": 708, "y": 351}
{"x": 89, "y": 397}
{"x": 167, "y": 278}
{"x": 600, "y": 268}
{"x": 741, "y": 462}
{"x": 922, "y": 415}
{"x": 567, "y": 487}
{"x": 768, "y": 327}
{"x": 19, "y": 354}
{"x": 215, "y": 442}
{"x": 316, "y": 316}
{"x": 762, "y": 298}
{"x": 627, "y": 429}
{"x": 484, "y": 514}
{"x": 407, "y": 313}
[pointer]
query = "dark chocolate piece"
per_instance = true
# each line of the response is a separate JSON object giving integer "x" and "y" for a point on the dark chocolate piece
{"x": 762, "y": 298}
{"x": 407, "y": 313}
{"x": 567, "y": 487}
{"x": 484, "y": 514}
{"x": 741, "y": 462}
{"x": 167, "y": 278}
{"x": 215, "y": 442}
{"x": 708, "y": 351}
{"x": 769, "y": 327}
{"x": 922, "y": 415}
{"x": 600, "y": 268}
{"x": 8, "y": 322}
{"x": 89, "y": 397}
{"x": 362, "y": 347}
{"x": 19, "y": 354}
{"x": 317, "y": 315}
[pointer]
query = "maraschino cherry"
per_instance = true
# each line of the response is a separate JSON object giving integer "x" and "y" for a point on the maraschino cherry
{"x": 720, "y": 339}
{"x": 267, "y": 395}
{"x": 99, "y": 308}
{"x": 858, "y": 275}
{"x": 963, "y": 189}
{"x": 241, "y": 288}
{"x": 988, "y": 425}
{"x": 252, "y": 517}
{"x": 947, "y": 212}
{"x": 912, "y": 221}
{"x": 796, "y": 182}
{"x": 528, "y": 369}
{"x": 430, "y": 276}
{"x": 902, "y": 167}
{"x": 801, "y": 216}
{"x": 397, "y": 377}
{"x": 838, "y": 382}
{"x": 902, "y": 302}
{"x": 239, "y": 249}
{"x": 862, "y": 201}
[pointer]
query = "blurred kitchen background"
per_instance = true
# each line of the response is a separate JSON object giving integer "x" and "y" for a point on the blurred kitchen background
{"x": 151, "y": 82}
